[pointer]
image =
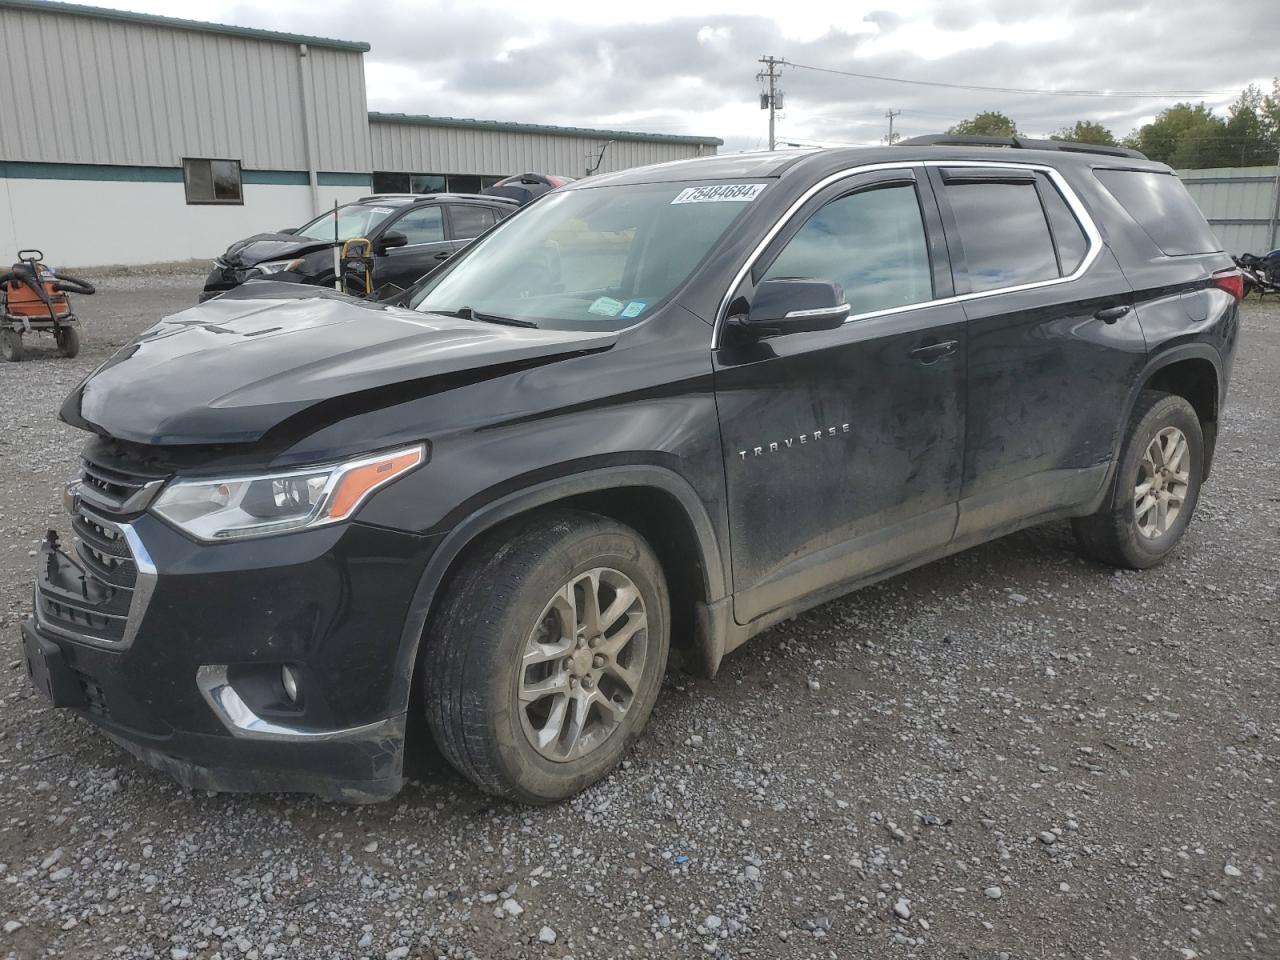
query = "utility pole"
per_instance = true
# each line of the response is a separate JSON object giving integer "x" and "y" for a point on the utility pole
{"x": 769, "y": 101}
{"x": 1275, "y": 208}
{"x": 892, "y": 138}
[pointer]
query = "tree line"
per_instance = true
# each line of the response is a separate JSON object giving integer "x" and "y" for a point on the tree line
{"x": 1186, "y": 136}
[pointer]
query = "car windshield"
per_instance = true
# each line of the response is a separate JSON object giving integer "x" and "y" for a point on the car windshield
{"x": 601, "y": 257}
{"x": 354, "y": 220}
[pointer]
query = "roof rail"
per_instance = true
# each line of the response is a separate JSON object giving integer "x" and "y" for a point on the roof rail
{"x": 1024, "y": 143}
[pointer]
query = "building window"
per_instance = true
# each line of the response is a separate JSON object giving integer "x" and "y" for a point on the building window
{"x": 390, "y": 182}
{"x": 212, "y": 181}
{"x": 464, "y": 183}
{"x": 427, "y": 183}
{"x": 385, "y": 181}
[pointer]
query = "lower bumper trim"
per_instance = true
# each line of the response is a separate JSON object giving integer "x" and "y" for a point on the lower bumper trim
{"x": 241, "y": 721}
{"x": 195, "y": 776}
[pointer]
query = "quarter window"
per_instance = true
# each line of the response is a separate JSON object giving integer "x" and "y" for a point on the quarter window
{"x": 1163, "y": 208}
{"x": 872, "y": 243}
{"x": 212, "y": 181}
{"x": 1004, "y": 233}
{"x": 423, "y": 225}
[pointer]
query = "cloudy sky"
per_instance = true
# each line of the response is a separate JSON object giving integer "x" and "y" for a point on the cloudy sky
{"x": 689, "y": 67}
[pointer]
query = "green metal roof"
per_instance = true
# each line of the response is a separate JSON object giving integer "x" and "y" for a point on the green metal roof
{"x": 128, "y": 16}
{"x": 500, "y": 126}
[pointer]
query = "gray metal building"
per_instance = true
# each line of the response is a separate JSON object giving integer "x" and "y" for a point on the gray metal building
{"x": 417, "y": 151}
{"x": 132, "y": 138}
{"x": 1242, "y": 204}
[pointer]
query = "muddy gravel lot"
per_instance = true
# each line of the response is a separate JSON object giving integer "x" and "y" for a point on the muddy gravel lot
{"x": 1015, "y": 753}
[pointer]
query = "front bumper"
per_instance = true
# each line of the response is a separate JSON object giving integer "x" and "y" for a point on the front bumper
{"x": 190, "y": 684}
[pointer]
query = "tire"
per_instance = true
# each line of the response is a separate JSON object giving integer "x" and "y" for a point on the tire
{"x": 11, "y": 345}
{"x": 1119, "y": 534}
{"x": 518, "y": 583}
{"x": 68, "y": 339}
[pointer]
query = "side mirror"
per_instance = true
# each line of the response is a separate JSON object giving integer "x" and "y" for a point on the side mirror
{"x": 795, "y": 305}
{"x": 287, "y": 231}
{"x": 391, "y": 239}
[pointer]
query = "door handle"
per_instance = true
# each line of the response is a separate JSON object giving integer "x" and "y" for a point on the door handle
{"x": 442, "y": 256}
{"x": 933, "y": 352}
{"x": 1111, "y": 314}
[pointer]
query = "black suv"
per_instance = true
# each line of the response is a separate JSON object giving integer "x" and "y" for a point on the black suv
{"x": 411, "y": 234}
{"x": 667, "y": 407}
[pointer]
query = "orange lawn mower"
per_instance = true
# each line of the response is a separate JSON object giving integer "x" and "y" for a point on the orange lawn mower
{"x": 33, "y": 299}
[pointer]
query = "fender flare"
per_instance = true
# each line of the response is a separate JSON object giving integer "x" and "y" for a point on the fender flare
{"x": 1155, "y": 363}
{"x": 494, "y": 512}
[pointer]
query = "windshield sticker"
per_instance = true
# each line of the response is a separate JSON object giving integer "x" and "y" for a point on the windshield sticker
{"x": 383, "y": 209}
{"x": 632, "y": 309}
{"x": 606, "y": 307}
{"x": 720, "y": 192}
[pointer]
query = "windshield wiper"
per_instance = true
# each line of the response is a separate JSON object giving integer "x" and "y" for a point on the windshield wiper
{"x": 468, "y": 313}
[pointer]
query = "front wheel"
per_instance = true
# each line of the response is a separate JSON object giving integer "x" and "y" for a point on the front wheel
{"x": 1157, "y": 486}
{"x": 547, "y": 656}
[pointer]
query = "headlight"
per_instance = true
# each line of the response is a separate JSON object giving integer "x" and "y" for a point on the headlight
{"x": 278, "y": 266}
{"x": 234, "y": 508}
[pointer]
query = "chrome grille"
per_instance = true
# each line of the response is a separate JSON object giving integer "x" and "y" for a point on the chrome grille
{"x": 115, "y": 492}
{"x": 97, "y": 593}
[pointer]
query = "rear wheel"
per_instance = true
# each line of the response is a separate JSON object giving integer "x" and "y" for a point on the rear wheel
{"x": 11, "y": 345}
{"x": 547, "y": 656}
{"x": 1157, "y": 486}
{"x": 68, "y": 339}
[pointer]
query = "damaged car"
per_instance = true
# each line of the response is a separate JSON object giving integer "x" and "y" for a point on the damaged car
{"x": 410, "y": 235}
{"x": 652, "y": 415}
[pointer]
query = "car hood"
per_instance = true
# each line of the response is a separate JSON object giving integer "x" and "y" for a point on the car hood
{"x": 231, "y": 369}
{"x": 265, "y": 247}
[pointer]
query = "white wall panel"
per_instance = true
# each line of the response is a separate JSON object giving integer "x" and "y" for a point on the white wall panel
{"x": 92, "y": 223}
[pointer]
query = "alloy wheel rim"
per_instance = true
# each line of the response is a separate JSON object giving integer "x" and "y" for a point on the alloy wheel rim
{"x": 1164, "y": 479}
{"x": 583, "y": 664}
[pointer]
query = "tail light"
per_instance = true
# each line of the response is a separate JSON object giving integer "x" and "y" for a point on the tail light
{"x": 1231, "y": 281}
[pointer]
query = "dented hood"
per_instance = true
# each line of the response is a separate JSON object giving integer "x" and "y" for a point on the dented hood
{"x": 234, "y": 367}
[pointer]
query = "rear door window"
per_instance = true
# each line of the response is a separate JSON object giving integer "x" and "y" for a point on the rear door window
{"x": 1068, "y": 235}
{"x": 1163, "y": 209}
{"x": 872, "y": 243}
{"x": 469, "y": 221}
{"x": 1004, "y": 232}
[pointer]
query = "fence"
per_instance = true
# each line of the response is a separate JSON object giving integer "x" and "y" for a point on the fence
{"x": 1242, "y": 204}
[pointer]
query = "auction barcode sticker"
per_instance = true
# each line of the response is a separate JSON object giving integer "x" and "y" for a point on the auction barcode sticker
{"x": 721, "y": 192}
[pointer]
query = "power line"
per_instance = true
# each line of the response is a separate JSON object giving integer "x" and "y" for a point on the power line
{"x": 1118, "y": 94}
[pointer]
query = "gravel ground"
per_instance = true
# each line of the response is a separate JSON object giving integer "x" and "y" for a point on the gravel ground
{"x": 1014, "y": 753}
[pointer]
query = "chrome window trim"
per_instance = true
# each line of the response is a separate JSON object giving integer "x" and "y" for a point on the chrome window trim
{"x": 818, "y": 312}
{"x": 1077, "y": 208}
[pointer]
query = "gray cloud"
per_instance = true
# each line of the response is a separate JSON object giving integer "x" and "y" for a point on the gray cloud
{"x": 694, "y": 74}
